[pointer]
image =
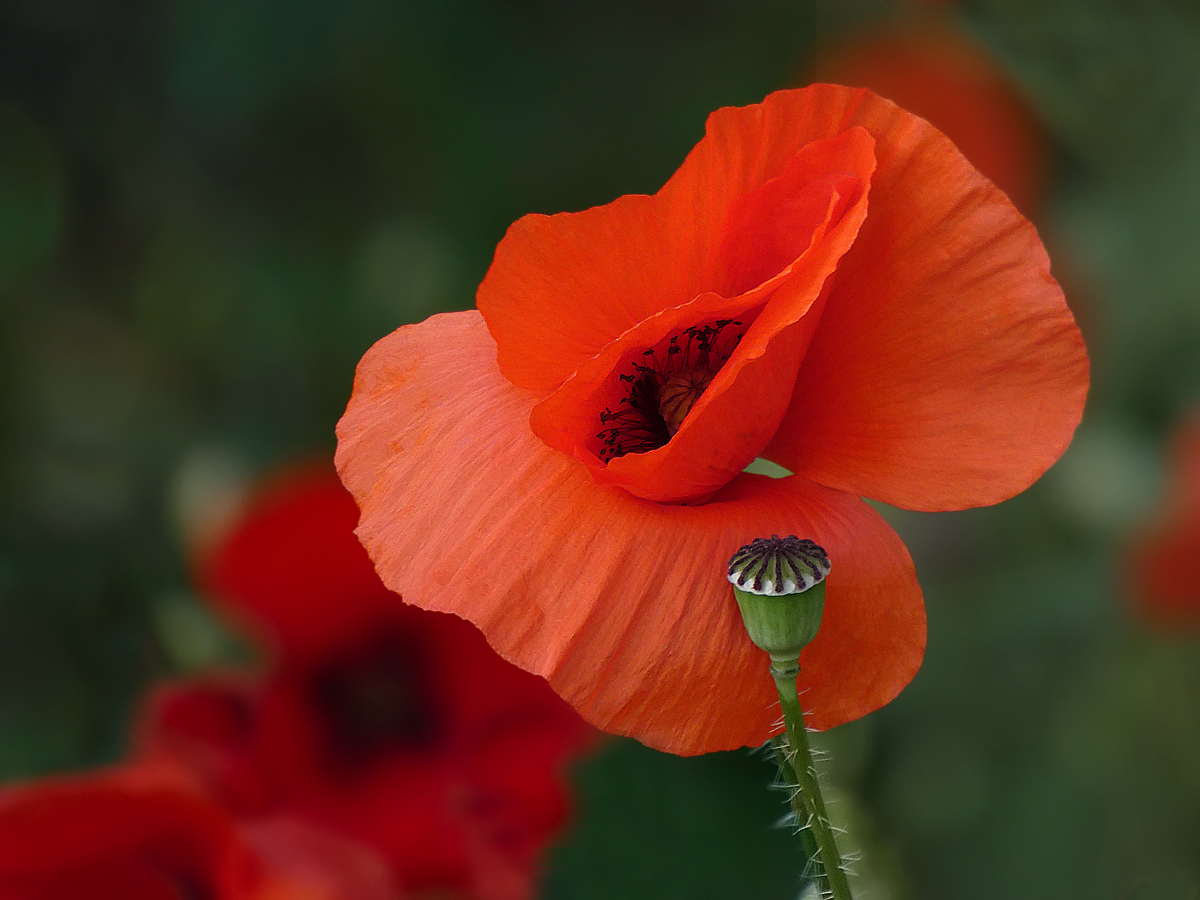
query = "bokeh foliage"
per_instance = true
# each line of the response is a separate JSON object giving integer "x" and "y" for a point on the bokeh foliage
{"x": 209, "y": 210}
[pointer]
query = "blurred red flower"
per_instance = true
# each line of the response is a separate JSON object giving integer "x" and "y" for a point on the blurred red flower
{"x": 395, "y": 726}
{"x": 826, "y": 283}
{"x": 146, "y": 833}
{"x": 935, "y": 70}
{"x": 1164, "y": 570}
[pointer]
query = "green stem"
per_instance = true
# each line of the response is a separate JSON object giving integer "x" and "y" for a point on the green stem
{"x": 784, "y": 673}
{"x": 812, "y": 853}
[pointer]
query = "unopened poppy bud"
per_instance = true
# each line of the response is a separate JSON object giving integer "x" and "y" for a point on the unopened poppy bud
{"x": 780, "y": 588}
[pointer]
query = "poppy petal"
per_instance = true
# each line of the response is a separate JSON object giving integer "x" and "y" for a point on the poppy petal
{"x": 291, "y": 552}
{"x": 620, "y": 603}
{"x": 553, "y": 296}
{"x": 740, "y": 410}
{"x": 561, "y": 287}
{"x": 141, "y": 827}
{"x": 947, "y": 371}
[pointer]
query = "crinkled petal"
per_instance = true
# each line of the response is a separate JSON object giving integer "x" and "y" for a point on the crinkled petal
{"x": 742, "y": 407}
{"x": 947, "y": 371}
{"x": 620, "y": 603}
{"x": 561, "y": 287}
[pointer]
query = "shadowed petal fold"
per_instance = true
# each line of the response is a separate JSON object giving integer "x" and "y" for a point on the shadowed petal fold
{"x": 619, "y": 602}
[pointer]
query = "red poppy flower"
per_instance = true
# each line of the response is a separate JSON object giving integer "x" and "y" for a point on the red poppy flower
{"x": 826, "y": 283}
{"x": 1164, "y": 575}
{"x": 939, "y": 73}
{"x": 146, "y": 833}
{"x": 395, "y": 726}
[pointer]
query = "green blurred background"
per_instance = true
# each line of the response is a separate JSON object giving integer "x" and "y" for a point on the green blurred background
{"x": 210, "y": 208}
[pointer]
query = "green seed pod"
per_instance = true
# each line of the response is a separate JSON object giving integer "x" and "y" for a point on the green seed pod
{"x": 780, "y": 588}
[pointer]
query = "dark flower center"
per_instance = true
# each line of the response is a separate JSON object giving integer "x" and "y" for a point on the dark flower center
{"x": 378, "y": 700}
{"x": 191, "y": 888}
{"x": 178, "y": 867}
{"x": 664, "y": 385}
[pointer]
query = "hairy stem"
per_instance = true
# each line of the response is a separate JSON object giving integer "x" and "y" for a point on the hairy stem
{"x": 784, "y": 673}
{"x": 812, "y": 853}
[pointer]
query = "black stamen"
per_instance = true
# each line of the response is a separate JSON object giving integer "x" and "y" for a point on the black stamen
{"x": 637, "y": 424}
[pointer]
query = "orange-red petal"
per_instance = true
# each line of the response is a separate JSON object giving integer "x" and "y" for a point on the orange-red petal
{"x": 947, "y": 371}
{"x": 561, "y": 287}
{"x": 620, "y": 603}
{"x": 741, "y": 409}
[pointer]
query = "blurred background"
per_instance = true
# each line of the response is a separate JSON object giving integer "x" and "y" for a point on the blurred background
{"x": 209, "y": 209}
